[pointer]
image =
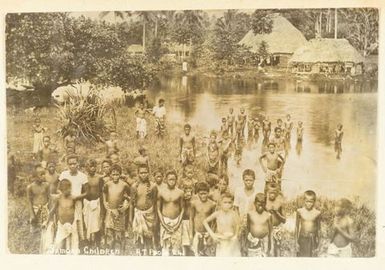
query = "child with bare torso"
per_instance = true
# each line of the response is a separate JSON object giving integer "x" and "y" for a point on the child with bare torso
{"x": 45, "y": 152}
{"x": 213, "y": 154}
{"x": 274, "y": 205}
{"x": 224, "y": 126}
{"x": 338, "y": 134}
{"x": 288, "y": 126}
{"x": 221, "y": 188}
{"x": 227, "y": 228}
{"x": 279, "y": 142}
{"x": 226, "y": 144}
{"x": 112, "y": 144}
{"x": 307, "y": 227}
{"x": 51, "y": 176}
{"x": 38, "y": 193}
{"x": 266, "y": 128}
{"x": 188, "y": 197}
{"x": 274, "y": 165}
{"x": 188, "y": 177}
{"x": 67, "y": 235}
{"x": 300, "y": 131}
{"x": 106, "y": 170}
{"x": 143, "y": 212}
{"x": 141, "y": 123}
{"x": 142, "y": 159}
{"x": 170, "y": 213}
{"x": 343, "y": 234}
{"x": 201, "y": 208}
{"x": 230, "y": 121}
{"x": 115, "y": 197}
{"x": 92, "y": 209}
{"x": 258, "y": 229}
{"x": 187, "y": 146}
{"x": 70, "y": 138}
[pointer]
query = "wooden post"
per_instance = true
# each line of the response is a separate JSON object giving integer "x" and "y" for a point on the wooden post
{"x": 335, "y": 23}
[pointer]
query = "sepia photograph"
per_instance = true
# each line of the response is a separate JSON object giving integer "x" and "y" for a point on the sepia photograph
{"x": 205, "y": 132}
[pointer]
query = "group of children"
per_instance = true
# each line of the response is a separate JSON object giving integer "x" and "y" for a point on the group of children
{"x": 169, "y": 215}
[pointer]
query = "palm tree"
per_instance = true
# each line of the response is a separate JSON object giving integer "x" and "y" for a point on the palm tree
{"x": 121, "y": 14}
{"x": 192, "y": 20}
{"x": 146, "y": 17}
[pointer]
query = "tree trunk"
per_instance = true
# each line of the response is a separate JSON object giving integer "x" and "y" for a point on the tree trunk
{"x": 156, "y": 28}
{"x": 335, "y": 23}
{"x": 144, "y": 35}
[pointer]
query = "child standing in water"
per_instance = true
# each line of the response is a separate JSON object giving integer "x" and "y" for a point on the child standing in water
{"x": 227, "y": 228}
{"x": 299, "y": 131}
{"x": 338, "y": 134}
{"x": 213, "y": 154}
{"x": 307, "y": 227}
{"x": 343, "y": 231}
{"x": 230, "y": 121}
{"x": 273, "y": 167}
{"x": 38, "y": 134}
{"x": 288, "y": 126}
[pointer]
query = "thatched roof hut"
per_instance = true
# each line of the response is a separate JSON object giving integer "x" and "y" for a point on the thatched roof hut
{"x": 329, "y": 56}
{"x": 327, "y": 50}
{"x": 283, "y": 39}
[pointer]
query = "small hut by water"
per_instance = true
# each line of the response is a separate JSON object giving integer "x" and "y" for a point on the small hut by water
{"x": 283, "y": 40}
{"x": 327, "y": 56}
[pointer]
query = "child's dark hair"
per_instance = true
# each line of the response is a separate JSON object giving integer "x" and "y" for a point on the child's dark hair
{"x": 63, "y": 183}
{"x": 248, "y": 172}
{"x": 159, "y": 171}
{"x": 227, "y": 195}
{"x": 46, "y": 136}
{"x": 271, "y": 143}
{"x": 91, "y": 163}
{"x": 346, "y": 204}
{"x": 69, "y": 157}
{"x": 161, "y": 100}
{"x": 202, "y": 186}
{"x": 142, "y": 150}
{"x": 277, "y": 129}
{"x": 142, "y": 166}
{"x": 107, "y": 161}
{"x": 171, "y": 172}
{"x": 260, "y": 197}
{"x": 310, "y": 193}
{"x": 187, "y": 126}
{"x": 116, "y": 167}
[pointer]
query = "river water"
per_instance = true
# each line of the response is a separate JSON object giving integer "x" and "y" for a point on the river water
{"x": 320, "y": 105}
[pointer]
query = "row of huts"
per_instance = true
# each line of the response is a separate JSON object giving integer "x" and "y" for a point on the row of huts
{"x": 288, "y": 48}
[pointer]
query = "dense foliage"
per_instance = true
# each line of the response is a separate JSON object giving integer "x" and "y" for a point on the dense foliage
{"x": 51, "y": 49}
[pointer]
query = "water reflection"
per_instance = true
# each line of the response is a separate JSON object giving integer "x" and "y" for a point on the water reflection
{"x": 319, "y": 105}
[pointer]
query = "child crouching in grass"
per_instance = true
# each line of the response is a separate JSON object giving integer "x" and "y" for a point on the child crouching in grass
{"x": 343, "y": 231}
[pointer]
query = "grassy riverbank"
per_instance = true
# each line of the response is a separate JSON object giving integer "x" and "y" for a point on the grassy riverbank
{"x": 163, "y": 154}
